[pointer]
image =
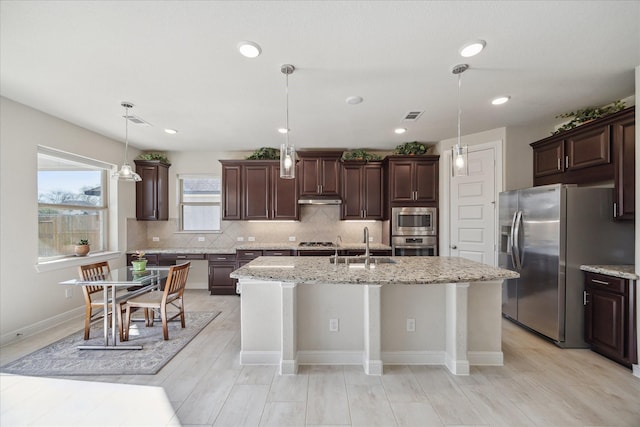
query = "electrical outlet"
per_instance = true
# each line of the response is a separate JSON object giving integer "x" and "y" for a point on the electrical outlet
{"x": 411, "y": 325}
{"x": 155, "y": 238}
{"x": 68, "y": 293}
{"x": 240, "y": 239}
{"x": 251, "y": 239}
{"x": 292, "y": 238}
{"x": 200, "y": 238}
{"x": 334, "y": 325}
{"x": 370, "y": 239}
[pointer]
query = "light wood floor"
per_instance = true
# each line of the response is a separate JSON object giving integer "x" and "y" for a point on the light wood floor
{"x": 204, "y": 385}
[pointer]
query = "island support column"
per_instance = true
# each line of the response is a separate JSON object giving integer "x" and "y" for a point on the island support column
{"x": 372, "y": 330}
{"x": 456, "y": 356}
{"x": 289, "y": 346}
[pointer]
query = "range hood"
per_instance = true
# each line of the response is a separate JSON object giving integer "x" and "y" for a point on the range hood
{"x": 320, "y": 200}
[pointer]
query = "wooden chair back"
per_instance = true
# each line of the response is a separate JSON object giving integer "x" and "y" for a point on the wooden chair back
{"x": 176, "y": 281}
{"x": 91, "y": 272}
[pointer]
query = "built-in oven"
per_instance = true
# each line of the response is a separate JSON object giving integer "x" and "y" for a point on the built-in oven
{"x": 414, "y": 221}
{"x": 414, "y": 245}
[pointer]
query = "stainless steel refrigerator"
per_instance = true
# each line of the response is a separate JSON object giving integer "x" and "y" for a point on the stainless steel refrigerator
{"x": 546, "y": 233}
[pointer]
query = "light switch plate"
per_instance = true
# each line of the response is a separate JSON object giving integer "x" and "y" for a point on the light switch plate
{"x": 240, "y": 239}
{"x": 251, "y": 239}
{"x": 155, "y": 238}
{"x": 334, "y": 325}
{"x": 411, "y": 325}
{"x": 200, "y": 239}
{"x": 292, "y": 238}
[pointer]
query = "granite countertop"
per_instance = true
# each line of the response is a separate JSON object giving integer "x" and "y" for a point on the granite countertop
{"x": 623, "y": 271}
{"x": 260, "y": 246}
{"x": 405, "y": 270}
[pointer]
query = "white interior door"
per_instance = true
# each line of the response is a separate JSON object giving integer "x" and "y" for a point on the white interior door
{"x": 473, "y": 209}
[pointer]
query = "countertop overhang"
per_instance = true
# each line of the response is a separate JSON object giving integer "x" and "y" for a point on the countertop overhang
{"x": 404, "y": 270}
{"x": 622, "y": 271}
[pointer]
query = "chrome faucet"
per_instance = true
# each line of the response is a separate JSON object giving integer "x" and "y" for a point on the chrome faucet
{"x": 366, "y": 247}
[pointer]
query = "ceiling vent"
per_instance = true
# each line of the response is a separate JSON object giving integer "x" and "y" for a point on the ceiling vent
{"x": 412, "y": 116}
{"x": 136, "y": 120}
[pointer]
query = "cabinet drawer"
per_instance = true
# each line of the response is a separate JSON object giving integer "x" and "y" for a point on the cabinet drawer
{"x": 181, "y": 257}
{"x": 221, "y": 258}
{"x": 284, "y": 252}
{"x": 248, "y": 254}
{"x": 604, "y": 282}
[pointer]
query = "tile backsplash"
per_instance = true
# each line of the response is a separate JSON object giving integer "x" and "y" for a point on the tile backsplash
{"x": 317, "y": 223}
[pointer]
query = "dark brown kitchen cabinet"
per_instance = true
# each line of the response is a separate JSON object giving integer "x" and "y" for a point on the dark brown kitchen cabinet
{"x": 152, "y": 193}
{"x": 220, "y": 267}
{"x": 362, "y": 190}
{"x": 596, "y": 152}
{"x": 610, "y": 317}
{"x": 253, "y": 190}
{"x": 231, "y": 190}
{"x": 319, "y": 173}
{"x": 624, "y": 154}
{"x": 413, "y": 181}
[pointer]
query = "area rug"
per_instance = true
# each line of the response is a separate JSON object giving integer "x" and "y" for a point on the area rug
{"x": 63, "y": 358}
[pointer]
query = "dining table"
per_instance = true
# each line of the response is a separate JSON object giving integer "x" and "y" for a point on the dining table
{"x": 130, "y": 283}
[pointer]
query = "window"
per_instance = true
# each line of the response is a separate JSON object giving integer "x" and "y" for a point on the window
{"x": 199, "y": 202}
{"x": 72, "y": 203}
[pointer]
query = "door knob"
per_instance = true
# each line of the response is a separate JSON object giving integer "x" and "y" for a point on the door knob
{"x": 453, "y": 247}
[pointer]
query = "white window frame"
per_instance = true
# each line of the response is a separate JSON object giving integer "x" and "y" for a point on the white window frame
{"x": 104, "y": 209}
{"x": 181, "y": 203}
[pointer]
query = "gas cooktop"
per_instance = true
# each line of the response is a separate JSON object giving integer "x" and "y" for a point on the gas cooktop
{"x": 317, "y": 244}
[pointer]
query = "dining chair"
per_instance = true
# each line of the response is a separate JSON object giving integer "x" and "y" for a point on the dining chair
{"x": 160, "y": 300}
{"x": 93, "y": 296}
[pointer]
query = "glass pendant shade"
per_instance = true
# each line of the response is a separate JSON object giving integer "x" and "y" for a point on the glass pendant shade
{"x": 287, "y": 161}
{"x": 126, "y": 173}
{"x": 459, "y": 160}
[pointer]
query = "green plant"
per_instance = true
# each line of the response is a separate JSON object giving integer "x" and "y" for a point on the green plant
{"x": 140, "y": 255}
{"x": 359, "y": 155}
{"x": 153, "y": 156}
{"x": 587, "y": 114}
{"x": 414, "y": 148}
{"x": 265, "y": 153}
{"x": 82, "y": 242}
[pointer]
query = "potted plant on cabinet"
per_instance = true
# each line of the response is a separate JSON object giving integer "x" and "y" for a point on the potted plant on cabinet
{"x": 140, "y": 264}
{"x": 414, "y": 148}
{"x": 82, "y": 247}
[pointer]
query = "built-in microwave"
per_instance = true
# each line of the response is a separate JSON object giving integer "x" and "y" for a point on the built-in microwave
{"x": 414, "y": 221}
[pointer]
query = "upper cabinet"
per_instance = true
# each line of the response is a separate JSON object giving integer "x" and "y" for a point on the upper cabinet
{"x": 362, "y": 190}
{"x": 152, "y": 193}
{"x": 600, "y": 151}
{"x": 413, "y": 180}
{"x": 319, "y": 173}
{"x": 253, "y": 190}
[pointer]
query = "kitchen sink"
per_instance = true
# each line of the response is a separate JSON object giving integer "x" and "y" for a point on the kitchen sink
{"x": 360, "y": 260}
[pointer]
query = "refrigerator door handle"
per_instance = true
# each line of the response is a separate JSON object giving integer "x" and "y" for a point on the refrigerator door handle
{"x": 512, "y": 240}
{"x": 516, "y": 241}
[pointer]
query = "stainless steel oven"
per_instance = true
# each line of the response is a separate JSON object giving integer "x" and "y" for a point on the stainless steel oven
{"x": 414, "y": 245}
{"x": 414, "y": 221}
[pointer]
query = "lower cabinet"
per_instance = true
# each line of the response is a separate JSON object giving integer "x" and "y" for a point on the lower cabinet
{"x": 220, "y": 267}
{"x": 610, "y": 317}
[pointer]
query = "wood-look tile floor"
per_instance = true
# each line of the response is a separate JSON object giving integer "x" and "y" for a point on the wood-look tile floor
{"x": 204, "y": 385}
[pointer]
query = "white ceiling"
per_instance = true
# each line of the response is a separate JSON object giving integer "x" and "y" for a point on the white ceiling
{"x": 177, "y": 62}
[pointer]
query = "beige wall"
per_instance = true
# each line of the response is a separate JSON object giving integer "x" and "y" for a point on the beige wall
{"x": 32, "y": 300}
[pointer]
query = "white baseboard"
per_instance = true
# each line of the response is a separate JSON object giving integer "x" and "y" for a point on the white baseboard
{"x": 457, "y": 367}
{"x": 485, "y": 358}
{"x": 413, "y": 357}
{"x": 289, "y": 367}
{"x": 259, "y": 357}
{"x": 373, "y": 367}
{"x": 41, "y": 326}
{"x": 330, "y": 357}
{"x": 636, "y": 370}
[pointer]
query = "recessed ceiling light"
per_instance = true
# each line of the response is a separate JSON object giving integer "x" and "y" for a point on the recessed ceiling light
{"x": 400, "y": 131}
{"x": 472, "y": 49}
{"x": 353, "y": 100}
{"x": 171, "y": 131}
{"x": 283, "y": 130}
{"x": 249, "y": 49}
{"x": 500, "y": 100}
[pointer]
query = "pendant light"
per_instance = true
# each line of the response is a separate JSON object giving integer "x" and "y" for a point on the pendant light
{"x": 126, "y": 173}
{"x": 287, "y": 151}
{"x": 459, "y": 154}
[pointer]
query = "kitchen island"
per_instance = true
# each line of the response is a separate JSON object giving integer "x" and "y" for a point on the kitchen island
{"x": 400, "y": 310}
